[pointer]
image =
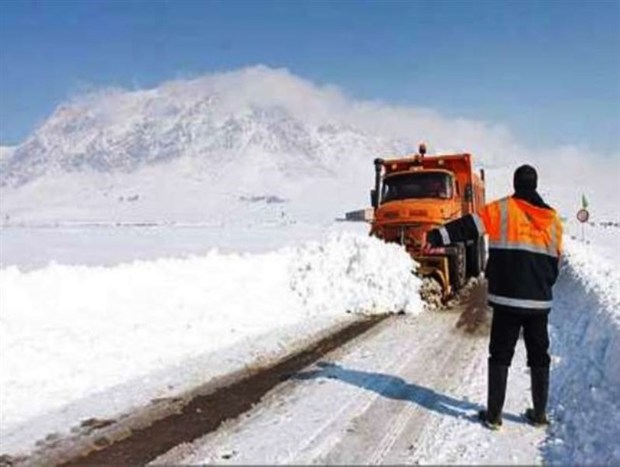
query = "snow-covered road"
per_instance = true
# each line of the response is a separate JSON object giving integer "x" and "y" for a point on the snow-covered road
{"x": 407, "y": 392}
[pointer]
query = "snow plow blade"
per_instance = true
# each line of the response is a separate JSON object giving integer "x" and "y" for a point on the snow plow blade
{"x": 436, "y": 267}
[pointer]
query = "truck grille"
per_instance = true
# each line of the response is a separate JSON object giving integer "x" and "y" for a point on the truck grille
{"x": 410, "y": 234}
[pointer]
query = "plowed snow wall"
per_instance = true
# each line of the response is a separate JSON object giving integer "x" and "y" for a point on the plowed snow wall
{"x": 585, "y": 381}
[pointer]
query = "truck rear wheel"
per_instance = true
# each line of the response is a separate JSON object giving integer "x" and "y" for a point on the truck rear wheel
{"x": 458, "y": 268}
{"x": 475, "y": 257}
{"x": 483, "y": 254}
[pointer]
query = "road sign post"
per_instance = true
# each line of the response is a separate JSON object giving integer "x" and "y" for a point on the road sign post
{"x": 582, "y": 216}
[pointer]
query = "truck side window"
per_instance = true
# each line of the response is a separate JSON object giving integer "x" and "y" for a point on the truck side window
{"x": 448, "y": 188}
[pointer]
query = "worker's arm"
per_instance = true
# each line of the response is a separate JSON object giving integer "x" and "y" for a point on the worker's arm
{"x": 468, "y": 227}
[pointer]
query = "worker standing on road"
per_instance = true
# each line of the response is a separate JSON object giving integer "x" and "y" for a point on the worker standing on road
{"x": 525, "y": 242}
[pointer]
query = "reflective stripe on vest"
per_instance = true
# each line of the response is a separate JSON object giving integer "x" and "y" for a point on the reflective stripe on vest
{"x": 549, "y": 251}
{"x": 503, "y": 243}
{"x": 503, "y": 220}
{"x": 520, "y": 302}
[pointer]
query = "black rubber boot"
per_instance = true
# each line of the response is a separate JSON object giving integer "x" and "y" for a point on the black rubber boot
{"x": 540, "y": 393}
{"x": 496, "y": 394}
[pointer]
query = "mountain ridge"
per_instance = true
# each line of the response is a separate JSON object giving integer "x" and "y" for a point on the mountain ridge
{"x": 207, "y": 120}
{"x": 194, "y": 150}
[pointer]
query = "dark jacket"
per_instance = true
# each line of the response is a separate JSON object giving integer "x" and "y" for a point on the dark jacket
{"x": 525, "y": 242}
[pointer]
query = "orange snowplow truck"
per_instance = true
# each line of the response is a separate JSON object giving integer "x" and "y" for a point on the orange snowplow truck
{"x": 417, "y": 193}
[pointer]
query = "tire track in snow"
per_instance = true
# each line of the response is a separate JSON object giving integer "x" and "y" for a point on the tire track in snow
{"x": 408, "y": 412}
{"x": 201, "y": 413}
{"x": 329, "y": 413}
{"x": 322, "y": 439}
{"x": 215, "y": 447}
{"x": 355, "y": 409}
{"x": 395, "y": 420}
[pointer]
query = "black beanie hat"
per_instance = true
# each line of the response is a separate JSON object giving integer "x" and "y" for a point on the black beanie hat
{"x": 525, "y": 178}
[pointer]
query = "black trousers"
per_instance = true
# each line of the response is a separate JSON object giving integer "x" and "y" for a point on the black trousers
{"x": 505, "y": 328}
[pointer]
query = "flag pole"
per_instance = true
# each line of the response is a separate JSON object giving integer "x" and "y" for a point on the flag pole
{"x": 583, "y": 232}
{"x": 584, "y": 208}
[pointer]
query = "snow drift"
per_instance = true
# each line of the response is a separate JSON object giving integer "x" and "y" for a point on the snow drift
{"x": 71, "y": 331}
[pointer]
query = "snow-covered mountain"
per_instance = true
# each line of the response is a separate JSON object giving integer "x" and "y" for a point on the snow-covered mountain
{"x": 252, "y": 133}
{"x": 216, "y": 148}
{"x": 206, "y": 121}
{"x": 6, "y": 153}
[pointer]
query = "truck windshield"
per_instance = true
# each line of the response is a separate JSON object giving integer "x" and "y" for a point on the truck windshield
{"x": 417, "y": 185}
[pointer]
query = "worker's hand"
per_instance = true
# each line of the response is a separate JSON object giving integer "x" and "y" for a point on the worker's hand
{"x": 426, "y": 248}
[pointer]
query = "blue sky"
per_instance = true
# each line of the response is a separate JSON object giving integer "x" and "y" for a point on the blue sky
{"x": 549, "y": 70}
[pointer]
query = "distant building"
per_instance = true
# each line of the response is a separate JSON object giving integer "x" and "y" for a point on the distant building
{"x": 361, "y": 215}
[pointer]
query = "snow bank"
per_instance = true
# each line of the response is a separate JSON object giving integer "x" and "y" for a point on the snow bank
{"x": 353, "y": 273}
{"x": 585, "y": 330}
{"x": 597, "y": 271}
{"x": 71, "y": 331}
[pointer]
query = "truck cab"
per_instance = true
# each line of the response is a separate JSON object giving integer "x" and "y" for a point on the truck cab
{"x": 417, "y": 193}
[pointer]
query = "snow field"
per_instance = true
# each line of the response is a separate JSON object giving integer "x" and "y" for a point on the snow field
{"x": 72, "y": 331}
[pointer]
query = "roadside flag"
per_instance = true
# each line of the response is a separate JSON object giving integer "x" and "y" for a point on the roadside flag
{"x": 584, "y": 202}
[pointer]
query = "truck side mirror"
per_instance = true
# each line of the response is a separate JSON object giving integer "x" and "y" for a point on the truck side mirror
{"x": 373, "y": 199}
{"x": 469, "y": 193}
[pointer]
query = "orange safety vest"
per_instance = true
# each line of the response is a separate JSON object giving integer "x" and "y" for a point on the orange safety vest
{"x": 517, "y": 225}
{"x": 529, "y": 231}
